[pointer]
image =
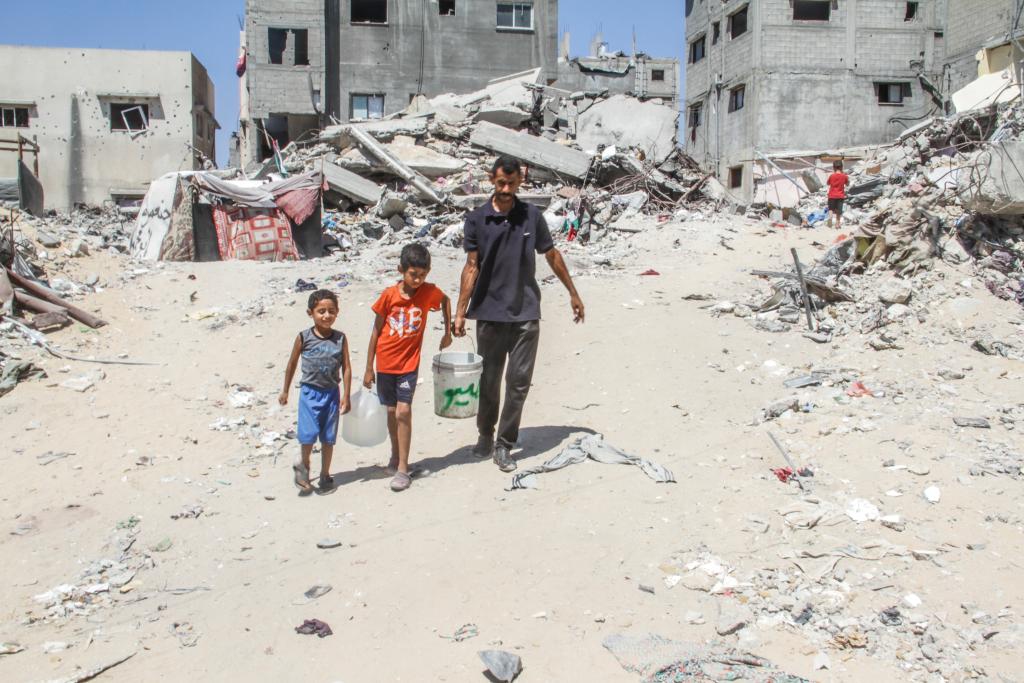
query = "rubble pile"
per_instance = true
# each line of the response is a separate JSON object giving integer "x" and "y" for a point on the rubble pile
{"x": 591, "y": 160}
{"x": 943, "y": 201}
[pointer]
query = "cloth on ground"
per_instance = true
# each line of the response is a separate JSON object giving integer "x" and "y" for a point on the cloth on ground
{"x": 660, "y": 660}
{"x": 591, "y": 446}
{"x": 16, "y": 371}
{"x": 253, "y": 234}
{"x": 311, "y": 626}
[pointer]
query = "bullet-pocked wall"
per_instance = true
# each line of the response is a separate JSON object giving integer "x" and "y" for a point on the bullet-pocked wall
{"x": 107, "y": 121}
{"x": 788, "y": 75}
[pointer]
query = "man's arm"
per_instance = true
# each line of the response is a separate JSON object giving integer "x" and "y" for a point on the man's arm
{"x": 557, "y": 263}
{"x": 470, "y": 272}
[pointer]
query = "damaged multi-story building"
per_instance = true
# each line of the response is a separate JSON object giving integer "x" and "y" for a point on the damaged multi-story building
{"x": 312, "y": 62}
{"x": 774, "y": 79}
{"x": 105, "y": 122}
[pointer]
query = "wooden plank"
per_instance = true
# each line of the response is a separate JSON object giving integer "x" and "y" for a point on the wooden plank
{"x": 351, "y": 185}
{"x": 45, "y": 294}
{"x": 533, "y": 150}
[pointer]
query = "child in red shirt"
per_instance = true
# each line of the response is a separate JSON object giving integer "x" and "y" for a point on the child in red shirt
{"x": 837, "y": 183}
{"x": 396, "y": 342}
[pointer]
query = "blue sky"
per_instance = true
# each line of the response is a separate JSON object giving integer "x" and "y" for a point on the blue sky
{"x": 209, "y": 29}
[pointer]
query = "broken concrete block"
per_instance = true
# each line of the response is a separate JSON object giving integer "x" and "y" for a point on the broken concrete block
{"x": 424, "y": 160}
{"x": 372, "y": 230}
{"x": 391, "y": 204}
{"x": 397, "y": 223}
{"x": 532, "y": 150}
{"x": 509, "y": 117}
{"x": 628, "y": 122}
{"x": 998, "y": 186}
{"x": 78, "y": 248}
{"x": 351, "y": 185}
{"x": 894, "y": 293}
{"x": 47, "y": 239}
{"x": 504, "y": 666}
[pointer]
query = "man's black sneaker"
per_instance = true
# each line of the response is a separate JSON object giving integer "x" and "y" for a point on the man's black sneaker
{"x": 484, "y": 446}
{"x": 503, "y": 459}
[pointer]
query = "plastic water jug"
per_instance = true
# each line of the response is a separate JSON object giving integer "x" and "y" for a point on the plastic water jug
{"x": 367, "y": 423}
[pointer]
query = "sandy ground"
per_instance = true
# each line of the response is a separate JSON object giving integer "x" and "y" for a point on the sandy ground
{"x": 547, "y": 574}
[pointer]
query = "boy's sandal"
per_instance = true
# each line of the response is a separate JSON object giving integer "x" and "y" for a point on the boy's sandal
{"x": 302, "y": 477}
{"x": 326, "y": 483}
{"x": 401, "y": 482}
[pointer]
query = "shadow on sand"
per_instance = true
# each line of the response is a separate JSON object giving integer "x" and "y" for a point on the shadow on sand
{"x": 533, "y": 441}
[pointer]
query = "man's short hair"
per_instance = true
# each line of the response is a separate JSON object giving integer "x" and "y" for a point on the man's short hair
{"x": 321, "y": 295}
{"x": 414, "y": 255}
{"x": 509, "y": 165}
{"x": 837, "y": 165}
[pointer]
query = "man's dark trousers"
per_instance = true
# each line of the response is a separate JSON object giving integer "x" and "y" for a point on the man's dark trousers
{"x": 498, "y": 342}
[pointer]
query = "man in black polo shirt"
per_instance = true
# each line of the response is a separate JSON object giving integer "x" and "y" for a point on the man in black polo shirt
{"x": 500, "y": 291}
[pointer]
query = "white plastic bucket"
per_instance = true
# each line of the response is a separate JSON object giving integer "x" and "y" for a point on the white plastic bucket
{"x": 457, "y": 384}
{"x": 367, "y": 423}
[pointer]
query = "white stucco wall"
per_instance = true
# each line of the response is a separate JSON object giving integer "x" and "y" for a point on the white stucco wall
{"x": 82, "y": 159}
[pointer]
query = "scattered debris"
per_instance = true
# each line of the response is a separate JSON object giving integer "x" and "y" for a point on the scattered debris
{"x": 504, "y": 666}
{"x": 314, "y": 626}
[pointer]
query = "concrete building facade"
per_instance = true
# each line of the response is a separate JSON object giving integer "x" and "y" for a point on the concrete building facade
{"x": 640, "y": 76}
{"x": 311, "y": 62}
{"x": 779, "y": 75}
{"x": 107, "y": 121}
{"x": 972, "y": 25}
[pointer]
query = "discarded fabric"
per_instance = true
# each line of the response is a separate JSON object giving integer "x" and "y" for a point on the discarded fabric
{"x": 314, "y": 626}
{"x": 594, "y": 447}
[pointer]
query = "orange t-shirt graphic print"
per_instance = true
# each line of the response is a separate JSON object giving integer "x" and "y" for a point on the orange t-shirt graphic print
{"x": 398, "y": 347}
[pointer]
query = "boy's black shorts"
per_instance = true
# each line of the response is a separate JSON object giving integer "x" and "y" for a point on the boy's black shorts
{"x": 392, "y": 389}
{"x": 836, "y": 206}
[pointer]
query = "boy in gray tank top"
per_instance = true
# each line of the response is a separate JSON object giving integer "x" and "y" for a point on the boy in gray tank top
{"x": 325, "y": 364}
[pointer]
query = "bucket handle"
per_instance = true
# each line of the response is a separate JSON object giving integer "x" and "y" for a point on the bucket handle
{"x": 472, "y": 340}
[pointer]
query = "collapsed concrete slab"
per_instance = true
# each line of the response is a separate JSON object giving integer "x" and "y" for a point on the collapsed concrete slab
{"x": 998, "y": 186}
{"x": 424, "y": 160}
{"x": 534, "y": 151}
{"x": 351, "y": 185}
{"x": 421, "y": 184}
{"x": 509, "y": 117}
{"x": 381, "y": 130}
{"x": 628, "y": 122}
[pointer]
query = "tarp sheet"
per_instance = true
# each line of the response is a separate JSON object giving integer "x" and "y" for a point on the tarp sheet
{"x": 254, "y": 234}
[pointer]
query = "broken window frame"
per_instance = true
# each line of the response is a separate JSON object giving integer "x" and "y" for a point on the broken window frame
{"x": 277, "y": 45}
{"x": 446, "y": 8}
{"x": 368, "y": 22}
{"x": 694, "y": 49}
{"x": 737, "y": 97}
{"x": 741, "y": 19}
{"x": 894, "y": 92}
{"x": 369, "y": 97}
{"x": 807, "y": 5}
{"x": 518, "y": 9}
{"x": 735, "y": 177}
{"x": 716, "y": 32}
{"x": 119, "y": 112}
{"x": 911, "y": 13}
{"x": 694, "y": 118}
{"x": 657, "y": 75}
{"x": 12, "y": 116}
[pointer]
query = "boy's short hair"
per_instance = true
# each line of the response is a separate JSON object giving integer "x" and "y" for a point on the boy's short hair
{"x": 320, "y": 295}
{"x": 837, "y": 165}
{"x": 509, "y": 164}
{"x": 414, "y": 255}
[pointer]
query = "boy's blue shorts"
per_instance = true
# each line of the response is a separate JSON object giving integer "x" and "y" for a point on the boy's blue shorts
{"x": 318, "y": 415}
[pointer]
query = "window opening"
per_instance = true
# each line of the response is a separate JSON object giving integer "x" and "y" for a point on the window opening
{"x": 812, "y": 10}
{"x": 515, "y": 15}
{"x": 13, "y": 117}
{"x": 446, "y": 8}
{"x": 277, "y": 40}
{"x": 694, "y": 119}
{"x": 366, "y": 106}
{"x": 697, "y": 50}
{"x": 369, "y": 11}
{"x": 736, "y": 98}
{"x": 735, "y": 177}
{"x": 658, "y": 75}
{"x": 911, "y": 11}
{"x": 738, "y": 23}
{"x": 301, "y": 37}
{"x": 892, "y": 93}
{"x": 130, "y": 116}
{"x": 716, "y": 32}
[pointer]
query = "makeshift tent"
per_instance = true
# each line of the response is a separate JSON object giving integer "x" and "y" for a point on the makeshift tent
{"x": 197, "y": 216}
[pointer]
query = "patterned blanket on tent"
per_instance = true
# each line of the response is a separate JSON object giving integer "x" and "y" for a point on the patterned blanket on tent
{"x": 253, "y": 234}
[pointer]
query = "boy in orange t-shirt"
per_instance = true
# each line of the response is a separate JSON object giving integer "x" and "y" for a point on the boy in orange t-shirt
{"x": 396, "y": 342}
